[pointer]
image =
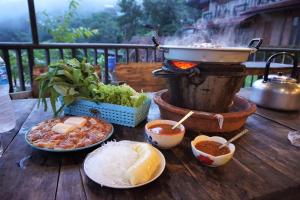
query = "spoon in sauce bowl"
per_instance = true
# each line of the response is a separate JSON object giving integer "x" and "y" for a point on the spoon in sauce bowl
{"x": 183, "y": 119}
{"x": 234, "y": 138}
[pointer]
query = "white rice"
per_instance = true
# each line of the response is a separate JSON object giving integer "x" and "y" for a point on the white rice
{"x": 108, "y": 164}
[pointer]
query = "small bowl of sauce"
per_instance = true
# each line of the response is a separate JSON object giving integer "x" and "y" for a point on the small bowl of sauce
{"x": 206, "y": 150}
{"x": 161, "y": 134}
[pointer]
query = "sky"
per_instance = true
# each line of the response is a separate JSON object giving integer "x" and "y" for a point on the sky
{"x": 15, "y": 9}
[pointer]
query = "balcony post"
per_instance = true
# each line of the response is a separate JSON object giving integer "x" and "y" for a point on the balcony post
{"x": 106, "y": 80}
{"x": 8, "y": 69}
{"x": 30, "y": 54}
{"x": 33, "y": 24}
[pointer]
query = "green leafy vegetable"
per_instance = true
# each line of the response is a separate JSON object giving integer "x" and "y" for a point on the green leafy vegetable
{"x": 121, "y": 95}
{"x": 72, "y": 79}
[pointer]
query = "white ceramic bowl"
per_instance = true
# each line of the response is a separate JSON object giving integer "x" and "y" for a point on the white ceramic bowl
{"x": 164, "y": 141}
{"x": 207, "y": 159}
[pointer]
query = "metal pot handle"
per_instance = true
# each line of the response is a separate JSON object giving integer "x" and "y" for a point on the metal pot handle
{"x": 257, "y": 41}
{"x": 157, "y": 45}
{"x": 154, "y": 40}
{"x": 271, "y": 58}
{"x": 164, "y": 74}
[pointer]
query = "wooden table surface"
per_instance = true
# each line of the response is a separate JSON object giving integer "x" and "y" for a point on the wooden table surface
{"x": 258, "y": 68}
{"x": 265, "y": 165}
{"x": 262, "y": 64}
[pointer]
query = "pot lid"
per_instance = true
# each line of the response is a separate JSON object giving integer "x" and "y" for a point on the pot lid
{"x": 280, "y": 78}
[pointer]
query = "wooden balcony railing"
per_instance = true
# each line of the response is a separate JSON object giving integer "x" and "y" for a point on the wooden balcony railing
{"x": 23, "y": 54}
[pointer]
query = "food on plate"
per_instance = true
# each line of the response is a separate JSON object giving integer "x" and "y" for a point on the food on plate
{"x": 62, "y": 128}
{"x": 76, "y": 121}
{"x": 146, "y": 164}
{"x": 212, "y": 148}
{"x": 123, "y": 163}
{"x": 69, "y": 132}
{"x": 71, "y": 79}
{"x": 165, "y": 129}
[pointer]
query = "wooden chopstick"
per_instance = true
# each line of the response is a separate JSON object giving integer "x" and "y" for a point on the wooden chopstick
{"x": 234, "y": 138}
{"x": 183, "y": 119}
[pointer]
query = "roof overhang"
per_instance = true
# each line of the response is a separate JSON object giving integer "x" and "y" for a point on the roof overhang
{"x": 280, "y": 6}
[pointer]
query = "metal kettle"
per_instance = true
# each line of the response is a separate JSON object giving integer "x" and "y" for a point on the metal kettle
{"x": 277, "y": 91}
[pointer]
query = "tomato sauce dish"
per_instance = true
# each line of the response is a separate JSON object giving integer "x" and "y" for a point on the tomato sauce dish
{"x": 161, "y": 134}
{"x": 206, "y": 150}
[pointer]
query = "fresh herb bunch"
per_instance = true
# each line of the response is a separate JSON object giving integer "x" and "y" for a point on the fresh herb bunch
{"x": 71, "y": 79}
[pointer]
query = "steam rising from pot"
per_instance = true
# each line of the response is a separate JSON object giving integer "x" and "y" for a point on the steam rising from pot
{"x": 204, "y": 36}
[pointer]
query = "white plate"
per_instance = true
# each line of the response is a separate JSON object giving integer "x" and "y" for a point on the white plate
{"x": 157, "y": 173}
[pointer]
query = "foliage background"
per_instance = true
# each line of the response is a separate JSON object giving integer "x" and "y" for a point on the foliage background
{"x": 131, "y": 19}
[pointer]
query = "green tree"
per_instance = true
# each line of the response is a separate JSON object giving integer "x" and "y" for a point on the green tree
{"x": 60, "y": 29}
{"x": 17, "y": 31}
{"x": 106, "y": 24}
{"x": 130, "y": 18}
{"x": 168, "y": 15}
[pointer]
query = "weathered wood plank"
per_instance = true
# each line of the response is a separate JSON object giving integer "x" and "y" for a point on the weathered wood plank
{"x": 275, "y": 179}
{"x": 231, "y": 181}
{"x": 264, "y": 163}
{"x": 35, "y": 179}
{"x": 70, "y": 184}
{"x": 269, "y": 142}
{"x": 23, "y": 109}
{"x": 289, "y": 119}
{"x": 27, "y": 173}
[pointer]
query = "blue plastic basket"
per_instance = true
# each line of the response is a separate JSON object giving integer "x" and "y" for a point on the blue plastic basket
{"x": 116, "y": 114}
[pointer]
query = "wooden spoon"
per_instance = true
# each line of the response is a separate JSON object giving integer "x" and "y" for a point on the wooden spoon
{"x": 234, "y": 138}
{"x": 183, "y": 119}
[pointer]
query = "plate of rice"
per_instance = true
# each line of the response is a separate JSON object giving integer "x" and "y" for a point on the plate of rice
{"x": 124, "y": 164}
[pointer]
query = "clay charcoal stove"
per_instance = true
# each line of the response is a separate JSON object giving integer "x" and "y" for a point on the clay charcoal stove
{"x": 204, "y": 79}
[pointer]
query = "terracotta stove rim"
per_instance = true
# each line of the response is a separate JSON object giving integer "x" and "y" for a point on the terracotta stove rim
{"x": 251, "y": 108}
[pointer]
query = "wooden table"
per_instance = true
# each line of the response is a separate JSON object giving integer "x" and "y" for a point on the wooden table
{"x": 258, "y": 68}
{"x": 265, "y": 165}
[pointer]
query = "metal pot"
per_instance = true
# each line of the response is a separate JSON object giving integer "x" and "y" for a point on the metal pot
{"x": 210, "y": 55}
{"x": 277, "y": 91}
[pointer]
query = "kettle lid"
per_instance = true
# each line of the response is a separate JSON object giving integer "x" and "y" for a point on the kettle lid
{"x": 280, "y": 78}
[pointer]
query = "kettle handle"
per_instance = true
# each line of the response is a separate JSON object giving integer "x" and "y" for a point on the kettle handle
{"x": 271, "y": 58}
{"x": 255, "y": 43}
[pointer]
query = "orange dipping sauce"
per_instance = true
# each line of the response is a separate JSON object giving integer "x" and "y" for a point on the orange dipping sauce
{"x": 164, "y": 129}
{"x": 212, "y": 148}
